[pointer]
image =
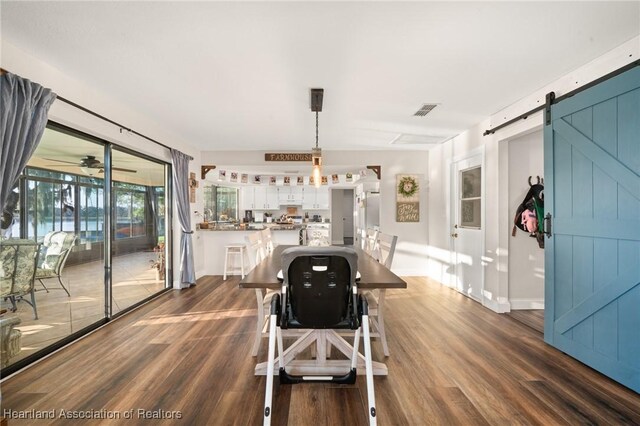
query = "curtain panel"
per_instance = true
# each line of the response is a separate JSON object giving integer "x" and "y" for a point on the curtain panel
{"x": 24, "y": 107}
{"x": 181, "y": 196}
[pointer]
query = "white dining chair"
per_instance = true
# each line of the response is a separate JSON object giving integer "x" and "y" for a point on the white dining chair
{"x": 257, "y": 253}
{"x": 384, "y": 249}
{"x": 267, "y": 241}
{"x": 370, "y": 240}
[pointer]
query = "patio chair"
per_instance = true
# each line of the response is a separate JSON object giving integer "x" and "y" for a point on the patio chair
{"x": 10, "y": 339}
{"x": 319, "y": 293}
{"x": 17, "y": 271}
{"x": 56, "y": 248}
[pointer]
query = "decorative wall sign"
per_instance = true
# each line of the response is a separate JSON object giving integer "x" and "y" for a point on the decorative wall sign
{"x": 193, "y": 184}
{"x": 288, "y": 156}
{"x": 407, "y": 198}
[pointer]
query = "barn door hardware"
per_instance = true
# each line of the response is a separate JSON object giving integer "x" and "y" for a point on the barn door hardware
{"x": 547, "y": 225}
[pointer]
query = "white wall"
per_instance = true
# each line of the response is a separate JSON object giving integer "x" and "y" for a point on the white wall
{"x": 526, "y": 259}
{"x": 337, "y": 209}
{"x": 20, "y": 63}
{"x": 411, "y": 251}
{"x": 498, "y": 221}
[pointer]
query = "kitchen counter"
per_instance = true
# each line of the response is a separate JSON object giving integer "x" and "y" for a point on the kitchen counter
{"x": 260, "y": 226}
{"x": 214, "y": 241}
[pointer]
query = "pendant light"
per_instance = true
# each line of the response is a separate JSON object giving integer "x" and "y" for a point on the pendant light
{"x": 316, "y": 153}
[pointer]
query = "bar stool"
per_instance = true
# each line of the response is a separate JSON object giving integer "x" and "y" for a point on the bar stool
{"x": 231, "y": 251}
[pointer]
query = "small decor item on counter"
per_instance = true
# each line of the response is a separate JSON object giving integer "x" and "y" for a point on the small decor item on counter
{"x": 268, "y": 217}
{"x": 234, "y": 177}
{"x": 300, "y": 180}
{"x": 244, "y": 178}
{"x": 334, "y": 179}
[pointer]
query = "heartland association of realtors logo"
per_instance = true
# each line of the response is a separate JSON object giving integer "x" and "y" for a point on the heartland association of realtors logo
{"x": 287, "y": 156}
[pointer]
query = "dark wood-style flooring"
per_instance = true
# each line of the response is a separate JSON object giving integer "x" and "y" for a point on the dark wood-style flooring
{"x": 533, "y": 318}
{"x": 452, "y": 362}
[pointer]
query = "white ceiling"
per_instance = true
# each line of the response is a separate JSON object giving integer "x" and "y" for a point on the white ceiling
{"x": 237, "y": 75}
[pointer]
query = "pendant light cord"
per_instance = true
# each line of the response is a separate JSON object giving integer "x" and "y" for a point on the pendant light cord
{"x": 316, "y": 129}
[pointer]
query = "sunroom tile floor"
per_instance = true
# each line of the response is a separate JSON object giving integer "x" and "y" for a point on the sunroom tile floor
{"x": 60, "y": 315}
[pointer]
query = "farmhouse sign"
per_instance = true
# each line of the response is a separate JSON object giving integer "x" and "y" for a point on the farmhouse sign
{"x": 407, "y": 198}
{"x": 287, "y": 156}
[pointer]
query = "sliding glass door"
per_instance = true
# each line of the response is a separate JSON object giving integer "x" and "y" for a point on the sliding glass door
{"x": 94, "y": 218}
{"x": 139, "y": 244}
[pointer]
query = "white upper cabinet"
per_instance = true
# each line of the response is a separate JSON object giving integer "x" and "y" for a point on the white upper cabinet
{"x": 259, "y": 198}
{"x": 290, "y": 195}
{"x": 246, "y": 198}
{"x": 316, "y": 198}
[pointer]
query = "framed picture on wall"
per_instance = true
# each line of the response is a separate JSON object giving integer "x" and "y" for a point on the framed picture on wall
{"x": 407, "y": 198}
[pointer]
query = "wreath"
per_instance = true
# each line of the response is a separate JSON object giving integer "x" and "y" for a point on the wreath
{"x": 408, "y": 187}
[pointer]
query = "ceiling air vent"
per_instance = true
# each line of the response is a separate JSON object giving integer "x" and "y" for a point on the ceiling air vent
{"x": 425, "y": 109}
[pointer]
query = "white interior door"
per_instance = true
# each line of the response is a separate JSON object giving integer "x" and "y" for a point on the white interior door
{"x": 467, "y": 222}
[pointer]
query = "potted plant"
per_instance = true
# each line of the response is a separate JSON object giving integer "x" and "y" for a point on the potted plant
{"x": 159, "y": 264}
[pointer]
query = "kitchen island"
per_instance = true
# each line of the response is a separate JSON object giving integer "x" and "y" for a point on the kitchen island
{"x": 214, "y": 240}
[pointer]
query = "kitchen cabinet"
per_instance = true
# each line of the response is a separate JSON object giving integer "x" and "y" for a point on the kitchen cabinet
{"x": 290, "y": 195}
{"x": 259, "y": 198}
{"x": 316, "y": 199}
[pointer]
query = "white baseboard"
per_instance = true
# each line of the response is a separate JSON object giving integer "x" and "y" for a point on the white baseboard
{"x": 200, "y": 274}
{"x": 517, "y": 304}
{"x": 500, "y": 306}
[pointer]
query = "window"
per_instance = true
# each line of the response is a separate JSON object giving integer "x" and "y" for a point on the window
{"x": 91, "y": 214}
{"x": 130, "y": 210}
{"x": 51, "y": 202}
{"x": 470, "y": 198}
{"x": 221, "y": 203}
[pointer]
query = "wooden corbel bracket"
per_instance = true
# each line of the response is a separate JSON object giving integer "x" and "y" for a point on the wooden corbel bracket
{"x": 204, "y": 170}
{"x": 377, "y": 170}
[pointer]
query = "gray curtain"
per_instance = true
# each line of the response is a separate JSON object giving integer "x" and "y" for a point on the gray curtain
{"x": 24, "y": 106}
{"x": 181, "y": 195}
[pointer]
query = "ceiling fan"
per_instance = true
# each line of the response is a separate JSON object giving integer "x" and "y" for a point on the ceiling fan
{"x": 90, "y": 163}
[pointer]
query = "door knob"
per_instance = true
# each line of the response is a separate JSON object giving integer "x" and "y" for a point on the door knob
{"x": 455, "y": 235}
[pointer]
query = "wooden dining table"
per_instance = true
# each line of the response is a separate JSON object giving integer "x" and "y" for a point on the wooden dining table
{"x": 373, "y": 276}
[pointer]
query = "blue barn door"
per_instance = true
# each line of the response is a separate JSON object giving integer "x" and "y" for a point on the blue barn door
{"x": 592, "y": 260}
